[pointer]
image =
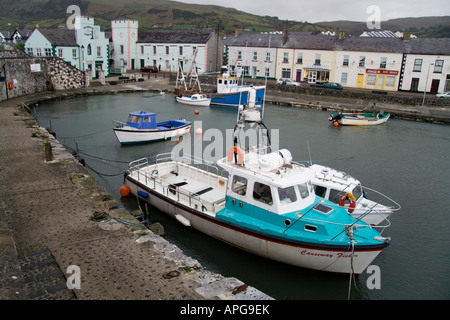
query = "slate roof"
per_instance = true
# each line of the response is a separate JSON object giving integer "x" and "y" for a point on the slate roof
{"x": 254, "y": 40}
{"x": 178, "y": 36}
{"x": 60, "y": 37}
{"x": 431, "y": 46}
{"x": 370, "y": 44}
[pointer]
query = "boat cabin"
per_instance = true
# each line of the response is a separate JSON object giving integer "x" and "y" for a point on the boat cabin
{"x": 332, "y": 184}
{"x": 282, "y": 189}
{"x": 142, "y": 120}
{"x": 227, "y": 84}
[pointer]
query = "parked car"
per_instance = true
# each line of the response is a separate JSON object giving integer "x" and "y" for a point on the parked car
{"x": 443, "y": 95}
{"x": 151, "y": 69}
{"x": 332, "y": 85}
{"x": 287, "y": 82}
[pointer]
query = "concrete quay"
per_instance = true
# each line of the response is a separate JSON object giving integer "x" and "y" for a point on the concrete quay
{"x": 49, "y": 211}
{"x": 63, "y": 237}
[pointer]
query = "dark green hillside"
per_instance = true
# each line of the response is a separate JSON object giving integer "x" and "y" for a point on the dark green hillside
{"x": 164, "y": 14}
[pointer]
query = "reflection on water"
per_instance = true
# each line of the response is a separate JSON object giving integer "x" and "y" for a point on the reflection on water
{"x": 405, "y": 160}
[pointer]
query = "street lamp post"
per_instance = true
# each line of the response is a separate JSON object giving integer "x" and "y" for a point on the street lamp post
{"x": 426, "y": 84}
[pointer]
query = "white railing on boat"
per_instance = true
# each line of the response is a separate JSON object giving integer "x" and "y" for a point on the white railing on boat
{"x": 137, "y": 168}
{"x": 118, "y": 124}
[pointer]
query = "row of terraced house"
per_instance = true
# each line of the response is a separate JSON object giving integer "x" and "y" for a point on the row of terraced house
{"x": 376, "y": 63}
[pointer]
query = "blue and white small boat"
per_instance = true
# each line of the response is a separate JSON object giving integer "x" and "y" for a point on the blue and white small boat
{"x": 266, "y": 205}
{"x": 230, "y": 93}
{"x": 142, "y": 127}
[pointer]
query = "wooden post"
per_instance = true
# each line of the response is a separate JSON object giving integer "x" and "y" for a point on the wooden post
{"x": 48, "y": 151}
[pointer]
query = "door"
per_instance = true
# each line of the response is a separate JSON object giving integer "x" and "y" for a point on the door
{"x": 380, "y": 82}
{"x": 434, "y": 86}
{"x": 254, "y": 70}
{"x": 312, "y": 76}
{"x": 360, "y": 81}
{"x": 414, "y": 84}
{"x": 298, "y": 75}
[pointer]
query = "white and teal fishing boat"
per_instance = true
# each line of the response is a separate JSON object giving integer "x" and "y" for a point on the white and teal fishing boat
{"x": 265, "y": 204}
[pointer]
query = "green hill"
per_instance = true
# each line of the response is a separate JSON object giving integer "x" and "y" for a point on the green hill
{"x": 164, "y": 14}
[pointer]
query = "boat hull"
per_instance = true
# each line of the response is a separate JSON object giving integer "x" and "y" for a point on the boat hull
{"x": 130, "y": 136}
{"x": 335, "y": 259}
{"x": 199, "y": 103}
{"x": 235, "y": 99}
{"x": 361, "y": 119}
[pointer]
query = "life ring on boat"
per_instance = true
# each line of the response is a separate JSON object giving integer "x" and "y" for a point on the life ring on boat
{"x": 239, "y": 152}
{"x": 351, "y": 198}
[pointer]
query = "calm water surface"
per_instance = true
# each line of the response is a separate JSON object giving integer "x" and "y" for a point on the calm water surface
{"x": 405, "y": 160}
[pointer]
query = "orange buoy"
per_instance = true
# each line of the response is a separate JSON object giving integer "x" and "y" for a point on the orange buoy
{"x": 198, "y": 131}
{"x": 196, "y": 112}
{"x": 335, "y": 123}
{"x": 124, "y": 191}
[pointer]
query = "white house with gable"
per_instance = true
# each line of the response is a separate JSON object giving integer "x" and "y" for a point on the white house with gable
{"x": 85, "y": 47}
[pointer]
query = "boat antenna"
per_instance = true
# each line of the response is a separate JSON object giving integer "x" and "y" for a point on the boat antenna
{"x": 265, "y": 83}
{"x": 309, "y": 152}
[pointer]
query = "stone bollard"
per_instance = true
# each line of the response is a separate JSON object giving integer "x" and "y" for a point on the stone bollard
{"x": 48, "y": 151}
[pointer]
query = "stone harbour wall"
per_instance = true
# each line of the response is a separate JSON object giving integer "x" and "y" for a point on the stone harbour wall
{"x": 21, "y": 74}
{"x": 63, "y": 75}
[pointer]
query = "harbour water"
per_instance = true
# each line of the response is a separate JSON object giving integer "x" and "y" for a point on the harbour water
{"x": 408, "y": 161}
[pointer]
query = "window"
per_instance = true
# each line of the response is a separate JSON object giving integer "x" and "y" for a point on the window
{"x": 362, "y": 62}
{"x": 418, "y": 65}
{"x": 320, "y": 191}
{"x": 344, "y": 77}
{"x": 180, "y": 50}
{"x": 390, "y": 81}
{"x": 121, "y": 49}
{"x": 383, "y": 63}
{"x": 267, "y": 72}
{"x": 303, "y": 190}
{"x": 255, "y": 56}
{"x": 89, "y": 49}
{"x": 48, "y": 52}
{"x": 60, "y": 52}
{"x": 239, "y": 185}
{"x": 268, "y": 56}
{"x": 335, "y": 195}
{"x": 74, "y": 53}
{"x": 286, "y": 57}
{"x": 346, "y": 59}
{"x": 262, "y": 193}
{"x": 142, "y": 49}
{"x": 310, "y": 228}
{"x": 317, "y": 61}
{"x": 438, "y": 66}
{"x": 371, "y": 80}
{"x": 193, "y": 50}
{"x": 287, "y": 195}
{"x": 239, "y": 55}
{"x": 99, "y": 51}
{"x": 30, "y": 51}
{"x": 286, "y": 73}
{"x": 167, "y": 50}
{"x": 154, "y": 49}
{"x": 300, "y": 58}
{"x": 38, "y": 52}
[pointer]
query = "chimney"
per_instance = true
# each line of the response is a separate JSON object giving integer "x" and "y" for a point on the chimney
{"x": 341, "y": 35}
{"x": 238, "y": 31}
{"x": 406, "y": 35}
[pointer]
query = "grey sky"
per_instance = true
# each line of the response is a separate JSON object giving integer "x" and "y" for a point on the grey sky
{"x": 332, "y": 10}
